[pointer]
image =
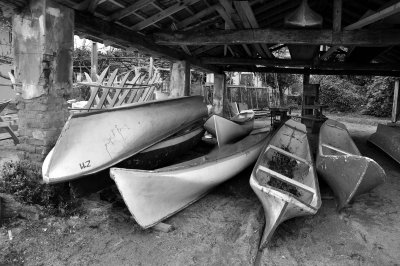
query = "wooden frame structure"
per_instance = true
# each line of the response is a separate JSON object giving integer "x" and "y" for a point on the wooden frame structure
{"x": 357, "y": 37}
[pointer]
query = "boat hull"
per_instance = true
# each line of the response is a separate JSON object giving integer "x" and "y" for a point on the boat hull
{"x": 278, "y": 203}
{"x": 226, "y": 130}
{"x": 94, "y": 141}
{"x": 152, "y": 196}
{"x": 387, "y": 139}
{"x": 158, "y": 155}
{"x": 342, "y": 166}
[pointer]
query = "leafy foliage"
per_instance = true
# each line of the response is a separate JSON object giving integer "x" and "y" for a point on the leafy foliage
{"x": 341, "y": 94}
{"x": 380, "y": 94}
{"x": 23, "y": 180}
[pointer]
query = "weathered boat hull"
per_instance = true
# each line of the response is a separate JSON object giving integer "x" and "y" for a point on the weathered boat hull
{"x": 279, "y": 203}
{"x": 342, "y": 166}
{"x": 387, "y": 139}
{"x": 158, "y": 155}
{"x": 152, "y": 196}
{"x": 91, "y": 142}
{"x": 226, "y": 130}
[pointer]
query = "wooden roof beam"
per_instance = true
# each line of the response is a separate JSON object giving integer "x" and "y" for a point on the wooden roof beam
{"x": 163, "y": 14}
{"x": 118, "y": 15}
{"x": 250, "y": 22}
{"x": 313, "y": 71}
{"x": 367, "y": 37}
{"x": 93, "y": 27}
{"x": 195, "y": 17}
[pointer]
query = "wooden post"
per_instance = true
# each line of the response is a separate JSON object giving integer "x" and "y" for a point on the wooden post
{"x": 337, "y": 15}
{"x": 94, "y": 62}
{"x": 151, "y": 65}
{"x": 395, "y": 109}
{"x": 180, "y": 79}
{"x": 219, "y": 93}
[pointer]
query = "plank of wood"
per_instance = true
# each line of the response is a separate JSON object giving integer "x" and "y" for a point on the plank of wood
{"x": 92, "y": 6}
{"x": 391, "y": 10}
{"x": 163, "y": 14}
{"x": 196, "y": 17}
{"x": 163, "y": 227}
{"x": 286, "y": 179}
{"x": 126, "y": 11}
{"x": 294, "y": 156}
{"x": 364, "y": 37}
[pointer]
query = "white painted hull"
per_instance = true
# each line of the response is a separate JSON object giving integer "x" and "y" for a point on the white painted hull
{"x": 341, "y": 165}
{"x": 226, "y": 130}
{"x": 280, "y": 205}
{"x": 91, "y": 142}
{"x": 152, "y": 196}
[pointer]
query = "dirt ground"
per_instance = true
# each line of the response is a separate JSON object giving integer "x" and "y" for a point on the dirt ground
{"x": 223, "y": 228}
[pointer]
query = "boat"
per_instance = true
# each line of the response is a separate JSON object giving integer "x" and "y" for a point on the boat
{"x": 226, "y": 130}
{"x": 342, "y": 166}
{"x": 94, "y": 141}
{"x": 153, "y": 196}
{"x": 284, "y": 178}
{"x": 159, "y": 155}
{"x": 387, "y": 138}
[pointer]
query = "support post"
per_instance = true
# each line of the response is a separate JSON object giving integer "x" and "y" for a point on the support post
{"x": 180, "y": 79}
{"x": 43, "y": 38}
{"x": 94, "y": 62}
{"x": 395, "y": 109}
{"x": 220, "y": 95}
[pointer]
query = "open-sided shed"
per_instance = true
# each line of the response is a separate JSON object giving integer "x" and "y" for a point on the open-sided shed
{"x": 355, "y": 37}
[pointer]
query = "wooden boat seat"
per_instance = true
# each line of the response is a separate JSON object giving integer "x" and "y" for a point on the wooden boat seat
{"x": 6, "y": 126}
{"x": 287, "y": 180}
{"x": 336, "y": 149}
{"x": 297, "y": 158}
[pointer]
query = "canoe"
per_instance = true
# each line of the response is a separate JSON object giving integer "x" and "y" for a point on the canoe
{"x": 226, "y": 130}
{"x": 284, "y": 178}
{"x": 387, "y": 138}
{"x": 152, "y": 196}
{"x": 342, "y": 166}
{"x": 94, "y": 141}
{"x": 159, "y": 155}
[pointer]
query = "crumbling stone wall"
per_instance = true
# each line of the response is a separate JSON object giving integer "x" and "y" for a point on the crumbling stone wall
{"x": 43, "y": 46}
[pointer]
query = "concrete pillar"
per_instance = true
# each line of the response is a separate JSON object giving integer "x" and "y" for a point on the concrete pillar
{"x": 180, "y": 79}
{"x": 220, "y": 95}
{"x": 43, "y": 46}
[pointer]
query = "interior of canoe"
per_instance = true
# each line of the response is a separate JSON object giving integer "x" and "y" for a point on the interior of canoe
{"x": 285, "y": 165}
{"x": 336, "y": 140}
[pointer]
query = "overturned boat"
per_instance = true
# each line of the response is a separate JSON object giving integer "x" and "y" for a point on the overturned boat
{"x": 284, "y": 178}
{"x": 226, "y": 130}
{"x": 94, "y": 141}
{"x": 159, "y": 155}
{"x": 152, "y": 196}
{"x": 387, "y": 138}
{"x": 342, "y": 166}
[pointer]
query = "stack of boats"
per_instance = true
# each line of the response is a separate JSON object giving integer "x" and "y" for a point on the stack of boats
{"x": 160, "y": 164}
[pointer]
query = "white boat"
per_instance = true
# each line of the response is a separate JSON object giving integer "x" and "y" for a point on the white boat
{"x": 152, "y": 196}
{"x": 159, "y": 155}
{"x": 341, "y": 165}
{"x": 94, "y": 141}
{"x": 387, "y": 138}
{"x": 226, "y": 130}
{"x": 284, "y": 178}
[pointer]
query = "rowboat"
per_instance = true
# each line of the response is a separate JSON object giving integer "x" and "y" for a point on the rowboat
{"x": 387, "y": 138}
{"x": 152, "y": 196}
{"x": 156, "y": 156}
{"x": 226, "y": 130}
{"x": 94, "y": 141}
{"x": 284, "y": 178}
{"x": 342, "y": 166}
